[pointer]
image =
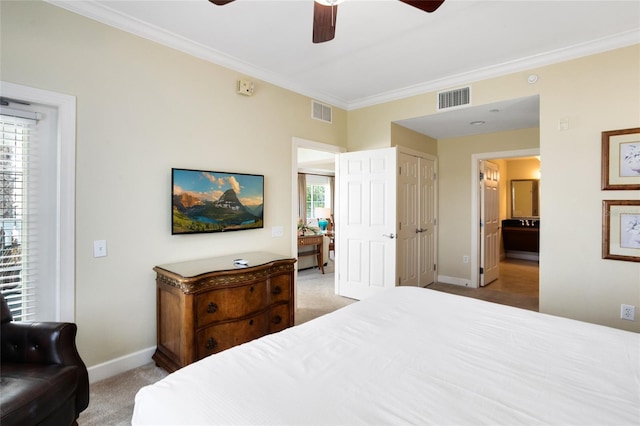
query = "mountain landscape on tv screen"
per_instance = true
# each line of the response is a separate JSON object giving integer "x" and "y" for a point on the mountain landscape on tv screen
{"x": 193, "y": 214}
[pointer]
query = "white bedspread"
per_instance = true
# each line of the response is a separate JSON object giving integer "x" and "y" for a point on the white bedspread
{"x": 411, "y": 356}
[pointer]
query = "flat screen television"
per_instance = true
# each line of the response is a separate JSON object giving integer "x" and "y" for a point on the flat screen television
{"x": 207, "y": 201}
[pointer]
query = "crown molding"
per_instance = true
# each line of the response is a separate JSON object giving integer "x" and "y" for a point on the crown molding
{"x": 108, "y": 16}
{"x": 616, "y": 41}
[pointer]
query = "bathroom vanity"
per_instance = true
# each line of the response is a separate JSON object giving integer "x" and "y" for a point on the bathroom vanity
{"x": 521, "y": 233}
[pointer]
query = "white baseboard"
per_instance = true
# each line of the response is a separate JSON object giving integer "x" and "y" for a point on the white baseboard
{"x": 453, "y": 280}
{"x": 120, "y": 365}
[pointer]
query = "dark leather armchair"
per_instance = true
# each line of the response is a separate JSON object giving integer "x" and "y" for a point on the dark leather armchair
{"x": 43, "y": 380}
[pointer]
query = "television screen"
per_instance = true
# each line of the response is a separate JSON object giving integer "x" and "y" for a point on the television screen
{"x": 207, "y": 201}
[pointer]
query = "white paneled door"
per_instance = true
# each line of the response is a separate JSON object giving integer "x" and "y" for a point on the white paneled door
{"x": 366, "y": 218}
{"x": 416, "y": 220}
{"x": 489, "y": 222}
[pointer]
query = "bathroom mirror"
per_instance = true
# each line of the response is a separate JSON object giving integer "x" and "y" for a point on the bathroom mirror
{"x": 525, "y": 195}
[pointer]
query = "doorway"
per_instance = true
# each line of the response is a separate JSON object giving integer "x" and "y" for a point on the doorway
{"x": 304, "y": 159}
{"x": 516, "y": 275}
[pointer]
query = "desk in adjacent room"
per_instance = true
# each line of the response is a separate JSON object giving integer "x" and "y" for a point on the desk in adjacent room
{"x": 312, "y": 240}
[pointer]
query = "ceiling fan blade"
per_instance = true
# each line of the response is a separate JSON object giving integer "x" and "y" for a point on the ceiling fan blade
{"x": 425, "y": 5}
{"x": 324, "y": 22}
{"x": 220, "y": 2}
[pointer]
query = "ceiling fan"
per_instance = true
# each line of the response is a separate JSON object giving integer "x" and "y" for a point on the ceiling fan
{"x": 326, "y": 11}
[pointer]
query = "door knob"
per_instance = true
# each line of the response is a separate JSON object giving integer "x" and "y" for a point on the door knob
{"x": 391, "y": 236}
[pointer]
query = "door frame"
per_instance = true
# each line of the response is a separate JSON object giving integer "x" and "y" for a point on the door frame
{"x": 309, "y": 144}
{"x": 475, "y": 203}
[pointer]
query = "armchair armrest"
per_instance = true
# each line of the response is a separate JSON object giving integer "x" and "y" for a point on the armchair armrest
{"x": 45, "y": 343}
{"x": 40, "y": 343}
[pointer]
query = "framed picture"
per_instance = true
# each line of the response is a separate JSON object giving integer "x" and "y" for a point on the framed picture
{"x": 621, "y": 230}
{"x": 621, "y": 159}
{"x": 204, "y": 201}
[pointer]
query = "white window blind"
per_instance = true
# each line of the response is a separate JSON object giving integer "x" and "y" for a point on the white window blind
{"x": 17, "y": 243}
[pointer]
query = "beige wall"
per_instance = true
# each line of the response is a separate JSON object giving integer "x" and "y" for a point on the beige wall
{"x": 143, "y": 108}
{"x": 454, "y": 188}
{"x": 401, "y": 136}
{"x": 595, "y": 93}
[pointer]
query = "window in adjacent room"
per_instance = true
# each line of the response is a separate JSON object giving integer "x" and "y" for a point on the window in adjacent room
{"x": 318, "y": 194}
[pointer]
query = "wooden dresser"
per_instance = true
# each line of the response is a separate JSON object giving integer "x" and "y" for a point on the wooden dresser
{"x": 208, "y": 305}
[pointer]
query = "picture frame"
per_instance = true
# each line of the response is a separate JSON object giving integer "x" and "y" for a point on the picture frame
{"x": 621, "y": 230}
{"x": 621, "y": 159}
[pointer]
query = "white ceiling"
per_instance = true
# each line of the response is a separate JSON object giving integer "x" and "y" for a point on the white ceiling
{"x": 513, "y": 114}
{"x": 383, "y": 49}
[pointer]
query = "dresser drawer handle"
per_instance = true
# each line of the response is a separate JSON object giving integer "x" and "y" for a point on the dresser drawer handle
{"x": 251, "y": 289}
{"x": 277, "y": 319}
{"x": 212, "y": 308}
{"x": 277, "y": 290}
{"x": 211, "y": 343}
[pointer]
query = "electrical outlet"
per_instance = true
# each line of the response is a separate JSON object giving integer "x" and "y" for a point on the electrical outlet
{"x": 628, "y": 312}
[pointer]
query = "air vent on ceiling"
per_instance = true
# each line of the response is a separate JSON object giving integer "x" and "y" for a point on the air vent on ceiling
{"x": 320, "y": 111}
{"x": 454, "y": 98}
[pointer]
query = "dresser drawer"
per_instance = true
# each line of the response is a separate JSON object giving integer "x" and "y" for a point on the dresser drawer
{"x": 228, "y": 303}
{"x": 279, "y": 316}
{"x": 280, "y": 288}
{"x": 223, "y": 336}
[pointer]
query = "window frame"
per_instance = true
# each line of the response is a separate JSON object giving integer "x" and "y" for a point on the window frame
{"x": 64, "y": 279}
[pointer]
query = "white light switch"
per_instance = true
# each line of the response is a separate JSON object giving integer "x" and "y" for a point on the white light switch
{"x": 277, "y": 231}
{"x": 563, "y": 124}
{"x": 100, "y": 248}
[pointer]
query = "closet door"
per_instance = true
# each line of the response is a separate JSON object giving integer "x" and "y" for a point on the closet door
{"x": 416, "y": 220}
{"x": 409, "y": 241}
{"x": 427, "y": 214}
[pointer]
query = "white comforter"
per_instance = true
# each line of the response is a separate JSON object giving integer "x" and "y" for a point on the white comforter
{"x": 411, "y": 356}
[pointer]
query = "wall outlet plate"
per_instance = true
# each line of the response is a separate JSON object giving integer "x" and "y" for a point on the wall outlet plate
{"x": 628, "y": 312}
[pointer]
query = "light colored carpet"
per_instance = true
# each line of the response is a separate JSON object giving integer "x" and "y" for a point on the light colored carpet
{"x": 316, "y": 294}
{"x": 111, "y": 400}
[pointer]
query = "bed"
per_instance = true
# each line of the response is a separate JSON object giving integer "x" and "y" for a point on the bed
{"x": 411, "y": 356}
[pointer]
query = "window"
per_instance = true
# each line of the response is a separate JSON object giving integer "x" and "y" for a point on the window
{"x": 318, "y": 194}
{"x": 16, "y": 252}
{"x": 40, "y": 212}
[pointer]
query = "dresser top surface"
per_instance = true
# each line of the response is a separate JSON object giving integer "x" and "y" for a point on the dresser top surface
{"x": 193, "y": 268}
